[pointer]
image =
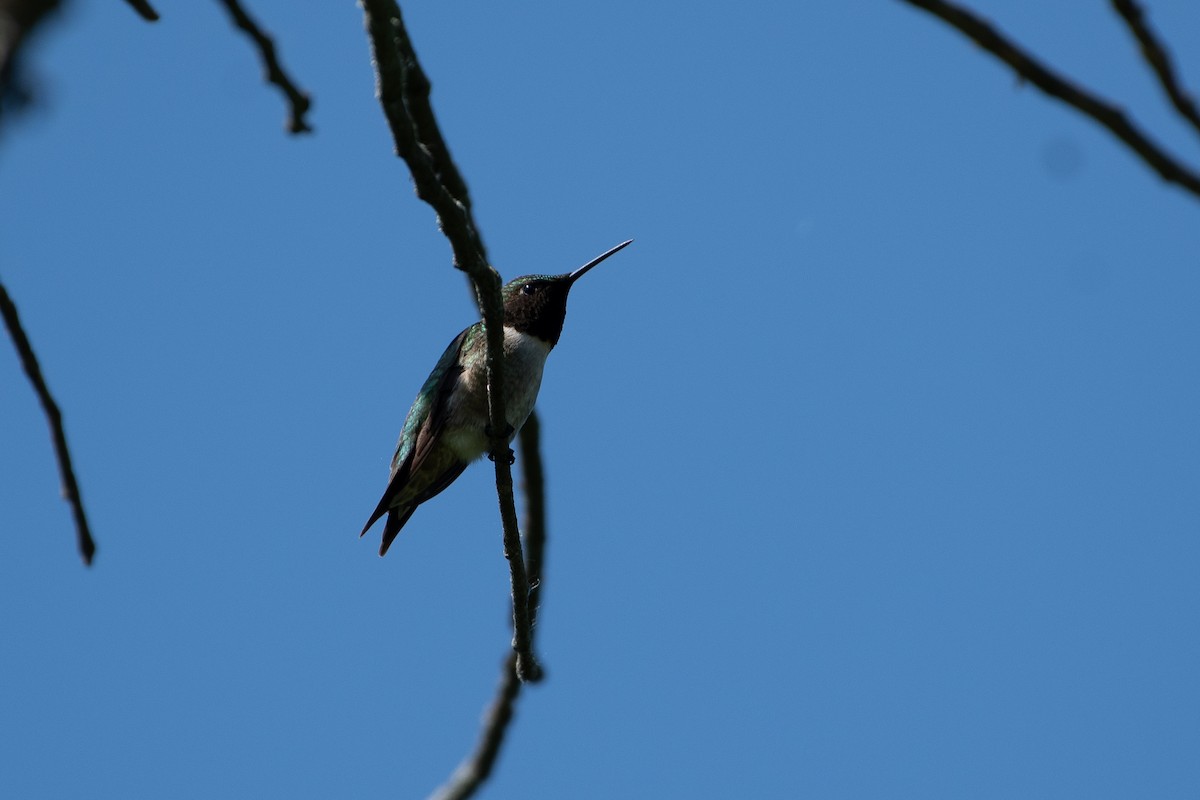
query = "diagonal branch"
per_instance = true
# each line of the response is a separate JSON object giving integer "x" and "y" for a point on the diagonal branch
{"x": 144, "y": 10}
{"x": 1156, "y": 56}
{"x": 298, "y": 101}
{"x": 417, "y": 88}
{"x": 403, "y": 92}
{"x": 477, "y": 766}
{"x": 1028, "y": 68}
{"x": 70, "y": 488}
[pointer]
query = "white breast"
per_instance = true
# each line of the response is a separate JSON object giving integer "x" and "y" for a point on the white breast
{"x": 524, "y": 359}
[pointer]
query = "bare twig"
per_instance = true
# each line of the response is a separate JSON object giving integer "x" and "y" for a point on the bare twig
{"x": 477, "y": 766}
{"x": 1040, "y": 76}
{"x": 144, "y": 10}
{"x": 298, "y": 101}
{"x": 1156, "y": 56}
{"x": 533, "y": 484}
{"x": 417, "y": 88}
{"x": 403, "y": 92}
{"x": 70, "y": 487}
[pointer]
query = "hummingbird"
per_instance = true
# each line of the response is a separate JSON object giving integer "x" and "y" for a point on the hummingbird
{"x": 447, "y": 426}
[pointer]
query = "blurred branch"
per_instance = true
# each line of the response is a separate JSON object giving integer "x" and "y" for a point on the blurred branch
{"x": 18, "y": 19}
{"x": 144, "y": 10}
{"x": 298, "y": 101}
{"x": 1156, "y": 56}
{"x": 477, "y": 766}
{"x": 403, "y": 92}
{"x": 1028, "y": 68}
{"x": 70, "y": 488}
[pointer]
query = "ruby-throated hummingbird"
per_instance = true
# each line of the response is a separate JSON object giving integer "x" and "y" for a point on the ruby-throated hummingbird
{"x": 447, "y": 426}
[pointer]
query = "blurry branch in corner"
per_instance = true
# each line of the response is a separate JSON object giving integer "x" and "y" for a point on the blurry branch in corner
{"x": 18, "y": 20}
{"x": 403, "y": 91}
{"x": 1088, "y": 103}
{"x": 70, "y": 487}
{"x": 477, "y": 766}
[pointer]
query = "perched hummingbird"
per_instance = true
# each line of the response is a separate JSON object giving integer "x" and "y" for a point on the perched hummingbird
{"x": 446, "y": 427}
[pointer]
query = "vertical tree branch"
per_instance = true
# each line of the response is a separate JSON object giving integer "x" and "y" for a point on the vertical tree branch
{"x": 533, "y": 483}
{"x": 70, "y": 487}
{"x": 1028, "y": 68}
{"x": 403, "y": 92}
{"x": 477, "y": 766}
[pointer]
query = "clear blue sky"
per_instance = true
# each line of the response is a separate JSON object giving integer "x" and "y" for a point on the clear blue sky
{"x": 874, "y": 462}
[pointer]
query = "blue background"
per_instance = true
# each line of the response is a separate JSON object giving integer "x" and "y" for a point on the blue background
{"x": 874, "y": 463}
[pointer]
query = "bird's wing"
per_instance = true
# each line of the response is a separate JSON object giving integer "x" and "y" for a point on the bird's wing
{"x": 434, "y": 396}
{"x": 425, "y": 420}
{"x": 396, "y": 517}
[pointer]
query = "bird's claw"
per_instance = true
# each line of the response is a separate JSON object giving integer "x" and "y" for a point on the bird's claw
{"x": 510, "y": 457}
{"x": 509, "y": 431}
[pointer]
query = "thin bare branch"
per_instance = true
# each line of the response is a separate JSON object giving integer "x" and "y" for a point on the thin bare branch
{"x": 1028, "y": 68}
{"x": 70, "y": 487}
{"x": 1156, "y": 56}
{"x": 477, "y": 766}
{"x": 403, "y": 92}
{"x": 417, "y": 88}
{"x": 533, "y": 485}
{"x": 298, "y": 101}
{"x": 144, "y": 10}
{"x": 410, "y": 117}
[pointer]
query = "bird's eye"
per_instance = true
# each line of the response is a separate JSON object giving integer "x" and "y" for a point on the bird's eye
{"x": 529, "y": 288}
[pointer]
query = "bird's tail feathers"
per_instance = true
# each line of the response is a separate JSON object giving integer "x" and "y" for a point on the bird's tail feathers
{"x": 395, "y": 521}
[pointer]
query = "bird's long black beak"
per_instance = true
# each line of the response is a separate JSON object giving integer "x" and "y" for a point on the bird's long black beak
{"x": 577, "y": 274}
